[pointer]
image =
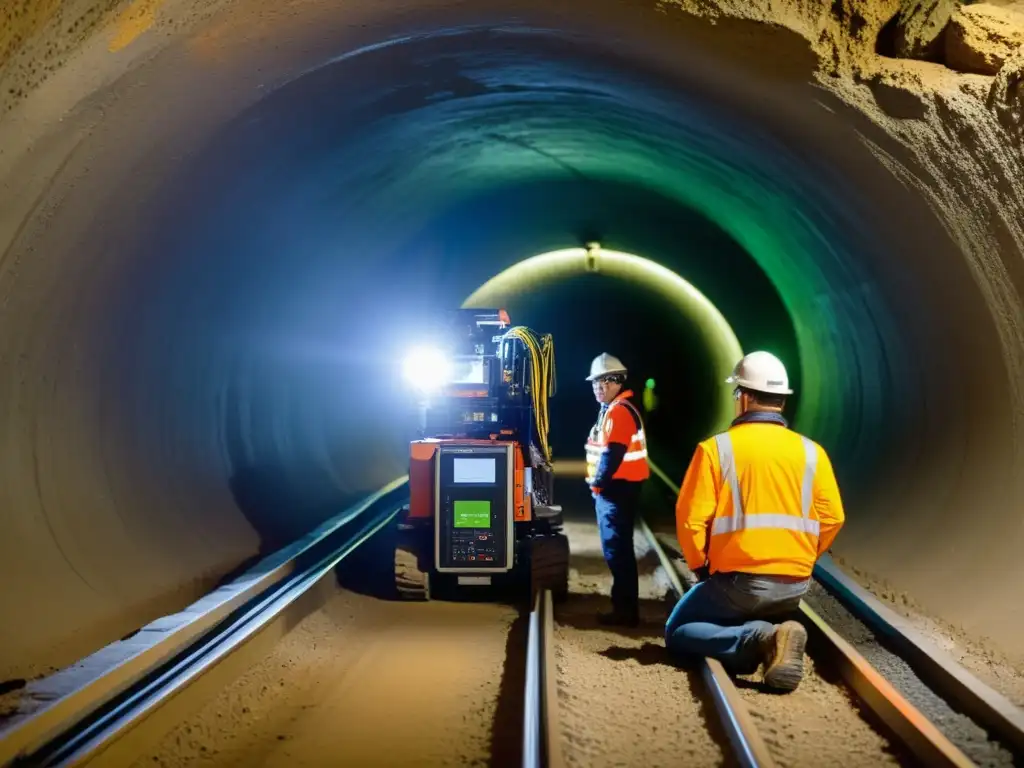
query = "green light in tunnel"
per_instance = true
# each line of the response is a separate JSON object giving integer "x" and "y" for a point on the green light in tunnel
{"x": 546, "y": 268}
{"x": 649, "y": 384}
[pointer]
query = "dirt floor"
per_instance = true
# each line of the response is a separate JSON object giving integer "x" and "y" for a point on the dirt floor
{"x": 365, "y": 682}
{"x": 365, "y": 672}
{"x": 622, "y": 702}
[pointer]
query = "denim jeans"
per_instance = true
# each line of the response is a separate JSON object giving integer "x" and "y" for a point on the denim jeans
{"x": 616, "y": 517}
{"x": 728, "y": 617}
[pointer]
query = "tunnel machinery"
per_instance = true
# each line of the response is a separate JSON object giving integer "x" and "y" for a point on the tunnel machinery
{"x": 481, "y": 514}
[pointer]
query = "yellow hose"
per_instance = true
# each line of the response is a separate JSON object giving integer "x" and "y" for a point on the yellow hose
{"x": 542, "y": 357}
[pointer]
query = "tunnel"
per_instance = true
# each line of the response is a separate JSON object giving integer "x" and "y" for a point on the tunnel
{"x": 222, "y": 225}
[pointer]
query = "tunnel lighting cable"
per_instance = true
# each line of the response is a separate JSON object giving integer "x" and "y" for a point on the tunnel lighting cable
{"x": 542, "y": 369}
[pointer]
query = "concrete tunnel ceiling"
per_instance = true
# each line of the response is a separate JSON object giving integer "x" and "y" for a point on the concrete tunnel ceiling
{"x": 215, "y": 236}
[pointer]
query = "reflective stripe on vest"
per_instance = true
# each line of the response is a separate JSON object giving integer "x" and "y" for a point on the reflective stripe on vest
{"x": 630, "y": 459}
{"x": 594, "y": 451}
{"x": 639, "y": 439}
{"x": 740, "y": 520}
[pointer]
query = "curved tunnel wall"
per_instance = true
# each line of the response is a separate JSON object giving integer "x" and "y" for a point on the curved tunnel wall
{"x": 212, "y": 260}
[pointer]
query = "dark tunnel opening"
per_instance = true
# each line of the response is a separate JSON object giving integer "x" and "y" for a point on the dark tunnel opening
{"x": 216, "y": 326}
{"x": 591, "y": 314}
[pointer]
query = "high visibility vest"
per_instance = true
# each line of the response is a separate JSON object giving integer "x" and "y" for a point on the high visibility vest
{"x": 619, "y": 423}
{"x": 759, "y": 498}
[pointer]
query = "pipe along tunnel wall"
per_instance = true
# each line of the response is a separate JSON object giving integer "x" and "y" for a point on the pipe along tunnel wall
{"x": 221, "y": 222}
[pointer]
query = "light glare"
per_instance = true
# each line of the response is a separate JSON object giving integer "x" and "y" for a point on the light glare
{"x": 426, "y": 369}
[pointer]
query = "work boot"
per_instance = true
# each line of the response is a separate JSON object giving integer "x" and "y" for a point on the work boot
{"x": 784, "y": 662}
{"x": 618, "y": 618}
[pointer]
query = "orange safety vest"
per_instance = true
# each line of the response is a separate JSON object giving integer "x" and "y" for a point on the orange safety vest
{"x": 619, "y": 423}
{"x": 758, "y": 498}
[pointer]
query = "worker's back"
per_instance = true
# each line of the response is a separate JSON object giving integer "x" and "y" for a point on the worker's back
{"x": 788, "y": 501}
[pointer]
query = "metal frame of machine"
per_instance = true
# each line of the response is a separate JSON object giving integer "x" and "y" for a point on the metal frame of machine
{"x": 497, "y": 411}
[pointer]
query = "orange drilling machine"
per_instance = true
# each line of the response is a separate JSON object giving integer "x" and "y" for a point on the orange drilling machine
{"x": 480, "y": 513}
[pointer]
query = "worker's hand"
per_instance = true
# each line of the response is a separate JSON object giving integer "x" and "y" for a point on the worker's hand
{"x": 703, "y": 573}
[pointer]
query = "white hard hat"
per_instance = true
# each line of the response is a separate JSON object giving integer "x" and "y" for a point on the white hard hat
{"x": 605, "y": 365}
{"x": 761, "y": 372}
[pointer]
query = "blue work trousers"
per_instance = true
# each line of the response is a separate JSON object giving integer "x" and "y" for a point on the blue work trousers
{"x": 729, "y": 616}
{"x": 616, "y": 508}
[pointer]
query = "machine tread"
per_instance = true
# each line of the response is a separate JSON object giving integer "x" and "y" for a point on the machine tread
{"x": 410, "y": 581}
{"x": 549, "y": 565}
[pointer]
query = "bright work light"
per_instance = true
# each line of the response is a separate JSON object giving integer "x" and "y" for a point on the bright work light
{"x": 427, "y": 369}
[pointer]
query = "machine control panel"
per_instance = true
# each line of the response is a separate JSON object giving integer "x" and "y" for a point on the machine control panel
{"x": 474, "y": 508}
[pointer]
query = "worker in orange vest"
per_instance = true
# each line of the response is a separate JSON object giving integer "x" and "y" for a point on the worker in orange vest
{"x": 616, "y": 470}
{"x": 758, "y": 506}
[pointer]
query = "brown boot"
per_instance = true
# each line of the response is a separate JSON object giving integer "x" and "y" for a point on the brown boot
{"x": 784, "y": 667}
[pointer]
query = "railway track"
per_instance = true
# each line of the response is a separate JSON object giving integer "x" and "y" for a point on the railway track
{"x": 542, "y": 747}
{"x": 923, "y": 739}
{"x": 100, "y": 707}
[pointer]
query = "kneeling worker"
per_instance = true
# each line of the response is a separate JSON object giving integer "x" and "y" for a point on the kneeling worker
{"x": 616, "y": 470}
{"x": 758, "y": 506}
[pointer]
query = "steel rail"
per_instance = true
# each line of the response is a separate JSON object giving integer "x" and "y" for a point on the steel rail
{"x": 93, "y": 715}
{"x": 542, "y": 746}
{"x": 937, "y": 669}
{"x": 901, "y": 717}
{"x": 744, "y": 738}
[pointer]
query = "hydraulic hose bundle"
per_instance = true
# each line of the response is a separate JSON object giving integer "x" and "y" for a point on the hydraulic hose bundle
{"x": 542, "y": 376}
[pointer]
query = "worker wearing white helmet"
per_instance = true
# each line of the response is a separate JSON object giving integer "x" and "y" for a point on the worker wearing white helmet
{"x": 616, "y": 468}
{"x": 758, "y": 506}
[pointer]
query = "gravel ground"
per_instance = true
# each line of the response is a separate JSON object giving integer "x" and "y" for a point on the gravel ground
{"x": 621, "y": 701}
{"x": 977, "y": 655}
{"x": 959, "y": 729}
{"x": 364, "y": 682}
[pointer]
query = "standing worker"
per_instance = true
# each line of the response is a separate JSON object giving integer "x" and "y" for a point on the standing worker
{"x": 616, "y": 470}
{"x": 757, "y": 508}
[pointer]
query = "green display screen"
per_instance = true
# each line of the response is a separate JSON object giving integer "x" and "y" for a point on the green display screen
{"x": 472, "y": 514}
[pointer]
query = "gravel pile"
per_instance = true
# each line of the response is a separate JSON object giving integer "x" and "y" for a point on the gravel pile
{"x": 958, "y": 728}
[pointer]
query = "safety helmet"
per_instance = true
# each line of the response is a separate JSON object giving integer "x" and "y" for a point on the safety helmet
{"x": 605, "y": 365}
{"x": 761, "y": 372}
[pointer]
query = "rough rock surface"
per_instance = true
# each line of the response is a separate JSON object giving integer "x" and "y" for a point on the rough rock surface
{"x": 917, "y": 31}
{"x": 981, "y": 37}
{"x": 1006, "y": 96}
